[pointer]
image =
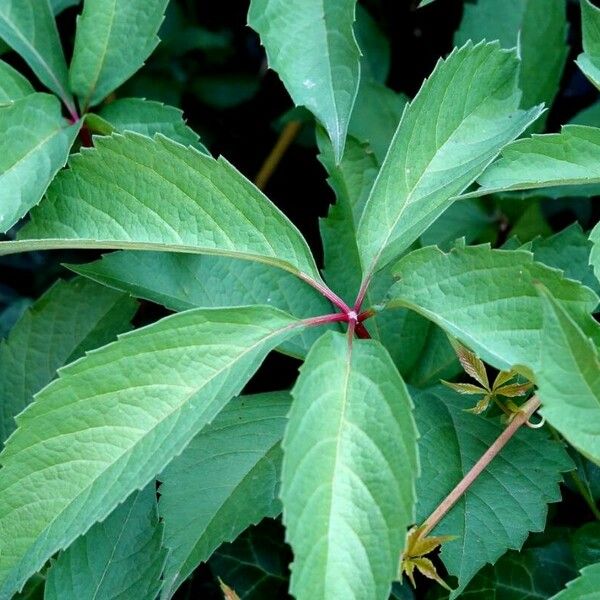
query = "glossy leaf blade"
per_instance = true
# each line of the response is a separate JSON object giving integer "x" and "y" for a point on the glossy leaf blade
{"x": 113, "y": 39}
{"x": 119, "y": 558}
{"x": 456, "y": 125}
{"x": 311, "y": 45}
{"x": 69, "y": 319}
{"x": 569, "y": 380}
{"x": 35, "y": 141}
{"x": 115, "y": 419}
{"x": 29, "y": 28}
{"x": 212, "y": 208}
{"x": 487, "y": 300}
{"x": 570, "y": 157}
{"x": 507, "y": 501}
{"x": 184, "y": 281}
{"x": 13, "y": 86}
{"x": 350, "y": 462}
{"x": 231, "y": 470}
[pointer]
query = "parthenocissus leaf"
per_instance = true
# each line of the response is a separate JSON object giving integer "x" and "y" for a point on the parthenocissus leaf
{"x": 456, "y": 125}
{"x": 212, "y": 208}
{"x": 350, "y": 462}
{"x": 114, "y": 419}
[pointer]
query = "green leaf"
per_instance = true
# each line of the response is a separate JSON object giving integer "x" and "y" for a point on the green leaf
{"x": 586, "y": 544}
{"x": 537, "y": 27}
{"x": 589, "y": 60}
{"x": 571, "y": 157}
{"x": 13, "y": 86}
{"x": 569, "y": 251}
{"x": 508, "y": 499}
{"x": 35, "y": 141}
{"x": 349, "y": 467}
{"x": 569, "y": 379}
{"x": 374, "y": 46}
{"x": 255, "y": 565}
{"x": 311, "y": 45}
{"x": 148, "y": 118}
{"x": 28, "y": 27}
{"x": 534, "y": 573}
{"x": 212, "y": 208}
{"x": 184, "y": 281}
{"x": 458, "y": 122}
{"x": 377, "y": 112}
{"x": 595, "y": 252}
{"x": 232, "y": 468}
{"x": 119, "y": 558}
{"x": 59, "y": 5}
{"x": 487, "y": 300}
{"x": 69, "y": 319}
{"x": 113, "y": 420}
{"x": 585, "y": 587}
{"x": 113, "y": 39}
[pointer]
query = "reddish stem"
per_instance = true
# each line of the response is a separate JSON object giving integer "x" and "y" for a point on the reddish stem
{"x": 361, "y": 332}
{"x": 362, "y": 292}
{"x": 86, "y": 137}
{"x": 324, "y": 319}
{"x": 325, "y": 291}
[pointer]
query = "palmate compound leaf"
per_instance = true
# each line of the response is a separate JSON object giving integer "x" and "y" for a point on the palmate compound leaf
{"x": 595, "y": 252}
{"x": 35, "y": 141}
{"x": 69, "y": 319}
{"x": 311, "y": 45}
{"x": 28, "y": 27}
{"x": 225, "y": 480}
{"x": 113, "y": 39}
{"x": 120, "y": 558}
{"x": 456, "y": 125}
{"x": 487, "y": 300}
{"x": 571, "y": 157}
{"x": 585, "y": 587}
{"x": 569, "y": 379}
{"x": 505, "y": 503}
{"x": 589, "y": 60}
{"x": 184, "y": 281}
{"x": 114, "y": 419}
{"x": 350, "y": 462}
{"x": 161, "y": 195}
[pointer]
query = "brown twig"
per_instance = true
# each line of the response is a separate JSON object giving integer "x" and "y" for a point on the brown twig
{"x": 287, "y": 136}
{"x": 450, "y": 500}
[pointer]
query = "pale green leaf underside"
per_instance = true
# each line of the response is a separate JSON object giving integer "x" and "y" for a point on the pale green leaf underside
{"x": 35, "y": 141}
{"x": 149, "y": 118}
{"x": 585, "y": 587}
{"x": 311, "y": 45}
{"x": 113, "y": 39}
{"x": 350, "y": 463}
{"x": 571, "y": 157}
{"x": 69, "y": 319}
{"x": 505, "y": 503}
{"x": 456, "y": 125}
{"x": 184, "y": 281}
{"x": 28, "y": 26}
{"x": 486, "y": 298}
{"x": 537, "y": 27}
{"x": 232, "y": 469}
{"x": 114, "y": 419}
{"x": 589, "y": 60}
{"x": 118, "y": 559}
{"x": 13, "y": 85}
{"x": 569, "y": 380}
{"x": 161, "y": 196}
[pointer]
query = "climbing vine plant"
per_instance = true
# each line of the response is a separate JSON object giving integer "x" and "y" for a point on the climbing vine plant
{"x": 450, "y": 378}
